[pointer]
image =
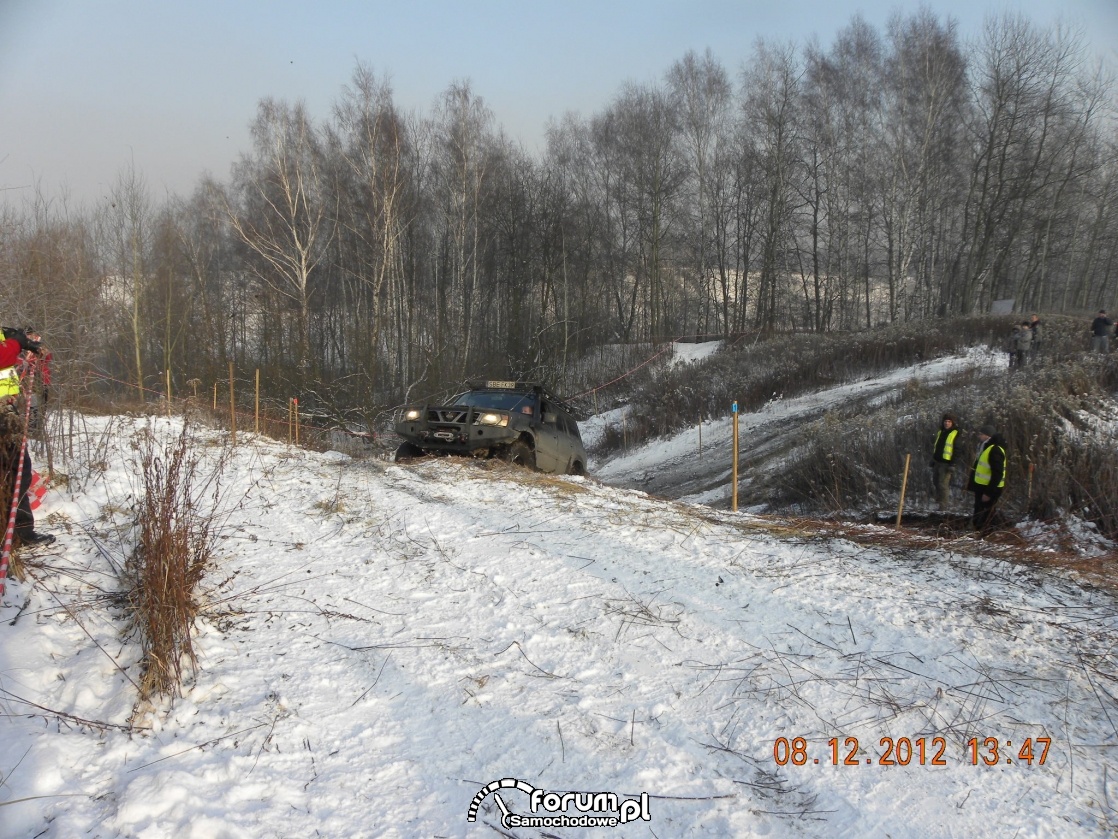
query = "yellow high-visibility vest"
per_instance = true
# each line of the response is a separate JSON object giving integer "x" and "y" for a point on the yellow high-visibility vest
{"x": 982, "y": 471}
{"x": 949, "y": 445}
{"x": 9, "y": 380}
{"x": 9, "y": 383}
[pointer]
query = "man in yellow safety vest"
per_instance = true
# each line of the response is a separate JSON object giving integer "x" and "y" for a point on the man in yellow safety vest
{"x": 943, "y": 459}
{"x": 14, "y": 342}
{"x": 987, "y": 476}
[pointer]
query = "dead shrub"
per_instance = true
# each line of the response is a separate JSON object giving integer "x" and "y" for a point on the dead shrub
{"x": 175, "y": 541}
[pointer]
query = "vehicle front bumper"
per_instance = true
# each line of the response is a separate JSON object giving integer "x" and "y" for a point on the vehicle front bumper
{"x": 471, "y": 440}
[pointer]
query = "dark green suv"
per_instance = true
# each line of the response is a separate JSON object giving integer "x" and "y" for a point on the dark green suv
{"x": 520, "y": 422}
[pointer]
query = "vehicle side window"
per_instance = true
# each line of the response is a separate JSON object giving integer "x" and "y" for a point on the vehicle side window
{"x": 568, "y": 426}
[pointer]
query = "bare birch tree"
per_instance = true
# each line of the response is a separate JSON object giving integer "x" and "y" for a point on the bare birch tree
{"x": 701, "y": 94}
{"x": 282, "y": 212}
{"x": 373, "y": 147}
{"x": 125, "y": 234}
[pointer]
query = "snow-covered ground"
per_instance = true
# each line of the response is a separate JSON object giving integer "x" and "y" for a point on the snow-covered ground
{"x": 684, "y": 352}
{"x": 387, "y": 648}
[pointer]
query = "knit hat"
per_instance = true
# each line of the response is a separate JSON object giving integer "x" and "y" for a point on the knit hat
{"x": 987, "y": 431}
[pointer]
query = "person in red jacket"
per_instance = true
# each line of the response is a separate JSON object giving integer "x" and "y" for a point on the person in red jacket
{"x": 10, "y": 350}
{"x": 15, "y": 342}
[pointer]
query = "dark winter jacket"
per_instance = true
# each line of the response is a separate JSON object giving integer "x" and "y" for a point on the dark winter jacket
{"x": 996, "y": 462}
{"x": 1100, "y": 326}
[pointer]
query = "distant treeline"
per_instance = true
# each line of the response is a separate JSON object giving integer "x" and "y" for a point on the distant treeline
{"x": 896, "y": 175}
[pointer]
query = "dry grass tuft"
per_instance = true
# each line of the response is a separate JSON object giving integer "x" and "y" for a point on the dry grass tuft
{"x": 175, "y": 544}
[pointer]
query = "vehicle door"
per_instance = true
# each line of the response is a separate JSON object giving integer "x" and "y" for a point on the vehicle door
{"x": 574, "y": 443}
{"x": 566, "y": 443}
{"x": 548, "y": 440}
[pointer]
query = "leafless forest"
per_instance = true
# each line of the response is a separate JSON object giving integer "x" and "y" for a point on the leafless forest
{"x": 365, "y": 255}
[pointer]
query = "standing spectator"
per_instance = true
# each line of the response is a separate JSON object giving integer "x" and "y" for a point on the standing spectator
{"x": 943, "y": 460}
{"x": 1020, "y": 342}
{"x": 987, "y": 478}
{"x": 14, "y": 342}
{"x": 1024, "y": 343}
{"x": 1100, "y": 332}
{"x": 1035, "y": 328}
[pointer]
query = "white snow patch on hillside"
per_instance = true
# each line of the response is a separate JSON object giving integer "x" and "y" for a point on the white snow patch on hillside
{"x": 688, "y": 353}
{"x": 594, "y": 429}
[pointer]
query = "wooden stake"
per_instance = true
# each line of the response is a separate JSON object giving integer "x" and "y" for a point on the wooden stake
{"x": 700, "y": 439}
{"x": 296, "y": 401}
{"x": 232, "y": 408}
{"x": 168, "y": 391}
{"x": 290, "y": 419}
{"x": 1029, "y": 500}
{"x": 904, "y": 485}
{"x": 256, "y": 428}
{"x": 215, "y": 397}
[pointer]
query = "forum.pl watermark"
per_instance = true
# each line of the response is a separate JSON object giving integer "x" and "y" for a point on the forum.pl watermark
{"x": 562, "y": 809}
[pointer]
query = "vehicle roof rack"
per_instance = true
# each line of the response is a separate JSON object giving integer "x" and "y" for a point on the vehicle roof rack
{"x": 503, "y": 384}
{"x": 525, "y": 387}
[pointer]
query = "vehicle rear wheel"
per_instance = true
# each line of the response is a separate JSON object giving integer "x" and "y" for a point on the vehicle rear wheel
{"x": 408, "y": 452}
{"x": 519, "y": 454}
{"x": 578, "y": 469}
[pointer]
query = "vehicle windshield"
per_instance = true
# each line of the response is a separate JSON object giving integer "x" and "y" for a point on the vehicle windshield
{"x": 524, "y": 403}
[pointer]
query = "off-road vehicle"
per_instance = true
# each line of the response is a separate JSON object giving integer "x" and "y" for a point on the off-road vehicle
{"x": 519, "y": 422}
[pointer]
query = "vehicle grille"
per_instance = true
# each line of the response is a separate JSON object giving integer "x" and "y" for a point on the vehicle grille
{"x": 441, "y": 415}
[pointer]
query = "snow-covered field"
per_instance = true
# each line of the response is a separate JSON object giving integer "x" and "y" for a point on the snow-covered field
{"x": 385, "y": 644}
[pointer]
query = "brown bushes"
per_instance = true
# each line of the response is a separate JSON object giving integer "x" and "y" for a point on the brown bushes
{"x": 752, "y": 373}
{"x": 174, "y": 546}
{"x": 1052, "y": 416}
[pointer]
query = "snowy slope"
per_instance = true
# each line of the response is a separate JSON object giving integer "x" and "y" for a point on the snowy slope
{"x": 682, "y": 469}
{"x": 384, "y": 642}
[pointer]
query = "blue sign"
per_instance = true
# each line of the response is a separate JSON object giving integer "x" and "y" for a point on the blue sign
{"x": 734, "y": 408}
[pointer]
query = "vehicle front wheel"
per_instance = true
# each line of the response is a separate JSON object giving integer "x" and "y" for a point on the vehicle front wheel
{"x": 519, "y": 454}
{"x": 408, "y": 452}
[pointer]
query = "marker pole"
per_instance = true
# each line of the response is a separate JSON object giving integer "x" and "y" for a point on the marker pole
{"x": 734, "y": 491}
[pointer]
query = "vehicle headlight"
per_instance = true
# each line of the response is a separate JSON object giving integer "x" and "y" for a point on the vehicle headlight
{"x": 412, "y": 414}
{"x": 500, "y": 420}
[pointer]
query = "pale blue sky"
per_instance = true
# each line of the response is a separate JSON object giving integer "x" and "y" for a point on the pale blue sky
{"x": 87, "y": 85}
